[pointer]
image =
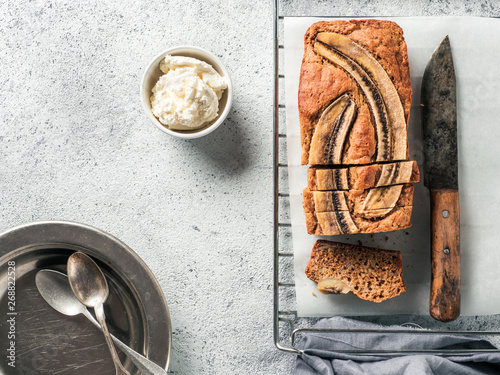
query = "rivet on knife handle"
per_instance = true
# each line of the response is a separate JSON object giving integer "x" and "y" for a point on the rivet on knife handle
{"x": 445, "y": 244}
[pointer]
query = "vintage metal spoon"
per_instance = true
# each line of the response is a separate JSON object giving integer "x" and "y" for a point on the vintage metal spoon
{"x": 55, "y": 289}
{"x": 90, "y": 287}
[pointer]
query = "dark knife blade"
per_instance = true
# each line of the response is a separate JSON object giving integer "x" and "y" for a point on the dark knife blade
{"x": 439, "y": 116}
{"x": 439, "y": 120}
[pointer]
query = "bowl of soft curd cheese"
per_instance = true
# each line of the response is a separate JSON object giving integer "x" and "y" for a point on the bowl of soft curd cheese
{"x": 186, "y": 92}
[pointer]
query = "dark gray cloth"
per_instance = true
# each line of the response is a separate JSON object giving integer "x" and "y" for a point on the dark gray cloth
{"x": 316, "y": 360}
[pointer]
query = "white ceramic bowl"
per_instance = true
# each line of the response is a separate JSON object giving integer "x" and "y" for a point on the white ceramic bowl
{"x": 153, "y": 73}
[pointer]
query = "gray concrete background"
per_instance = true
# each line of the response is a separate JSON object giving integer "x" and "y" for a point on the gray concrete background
{"x": 76, "y": 145}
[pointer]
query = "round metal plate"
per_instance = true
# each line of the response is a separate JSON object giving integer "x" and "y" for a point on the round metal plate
{"x": 39, "y": 340}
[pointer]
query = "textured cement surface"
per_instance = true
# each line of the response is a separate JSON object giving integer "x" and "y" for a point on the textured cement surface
{"x": 76, "y": 145}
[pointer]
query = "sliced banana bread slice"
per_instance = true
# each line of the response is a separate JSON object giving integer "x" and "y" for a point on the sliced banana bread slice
{"x": 332, "y": 223}
{"x": 362, "y": 202}
{"x": 369, "y": 273}
{"x": 362, "y": 177}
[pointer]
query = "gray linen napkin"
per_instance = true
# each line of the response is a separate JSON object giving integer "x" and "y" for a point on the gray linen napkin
{"x": 316, "y": 360}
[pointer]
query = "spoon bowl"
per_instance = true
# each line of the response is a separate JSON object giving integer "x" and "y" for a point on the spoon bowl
{"x": 87, "y": 280}
{"x": 55, "y": 289}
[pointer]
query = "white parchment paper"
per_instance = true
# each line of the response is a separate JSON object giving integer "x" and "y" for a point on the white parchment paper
{"x": 476, "y": 49}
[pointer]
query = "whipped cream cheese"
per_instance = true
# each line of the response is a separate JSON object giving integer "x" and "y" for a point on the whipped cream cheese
{"x": 187, "y": 96}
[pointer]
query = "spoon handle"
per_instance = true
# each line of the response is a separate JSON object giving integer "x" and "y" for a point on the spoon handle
{"x": 144, "y": 365}
{"x": 99, "y": 313}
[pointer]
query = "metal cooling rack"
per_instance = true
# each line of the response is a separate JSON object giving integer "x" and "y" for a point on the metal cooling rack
{"x": 288, "y": 327}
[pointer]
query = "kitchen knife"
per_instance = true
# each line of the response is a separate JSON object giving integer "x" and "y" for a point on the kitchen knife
{"x": 439, "y": 120}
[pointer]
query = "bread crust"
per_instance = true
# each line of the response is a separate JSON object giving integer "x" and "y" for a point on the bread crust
{"x": 321, "y": 82}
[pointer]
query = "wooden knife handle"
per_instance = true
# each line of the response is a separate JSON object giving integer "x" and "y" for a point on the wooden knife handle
{"x": 445, "y": 255}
